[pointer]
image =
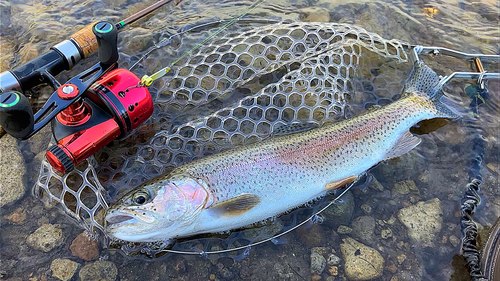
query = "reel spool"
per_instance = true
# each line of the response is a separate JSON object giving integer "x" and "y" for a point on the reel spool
{"x": 86, "y": 113}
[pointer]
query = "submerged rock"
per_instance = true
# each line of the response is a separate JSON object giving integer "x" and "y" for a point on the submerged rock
{"x": 264, "y": 230}
{"x": 404, "y": 187}
{"x": 84, "y": 247}
{"x": 63, "y": 269}
{"x": 17, "y": 217}
{"x": 363, "y": 228}
{"x": 344, "y": 229}
{"x": 318, "y": 263}
{"x": 99, "y": 270}
{"x": 333, "y": 259}
{"x": 423, "y": 221}
{"x": 386, "y": 233}
{"x": 6, "y": 50}
{"x": 361, "y": 261}
{"x": 46, "y": 237}
{"x": 312, "y": 236}
{"x": 5, "y": 8}
{"x": 136, "y": 40}
{"x": 341, "y": 212}
{"x": 315, "y": 14}
{"x": 375, "y": 184}
{"x": 12, "y": 170}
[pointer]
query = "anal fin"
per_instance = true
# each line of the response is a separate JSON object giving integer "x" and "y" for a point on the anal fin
{"x": 235, "y": 206}
{"x": 406, "y": 143}
{"x": 336, "y": 184}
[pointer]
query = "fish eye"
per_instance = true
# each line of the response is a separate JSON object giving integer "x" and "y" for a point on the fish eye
{"x": 140, "y": 197}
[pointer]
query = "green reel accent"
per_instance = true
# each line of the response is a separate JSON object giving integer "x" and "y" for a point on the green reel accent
{"x": 99, "y": 27}
{"x": 9, "y": 99}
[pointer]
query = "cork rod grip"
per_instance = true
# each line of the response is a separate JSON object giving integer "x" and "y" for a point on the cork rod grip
{"x": 85, "y": 38}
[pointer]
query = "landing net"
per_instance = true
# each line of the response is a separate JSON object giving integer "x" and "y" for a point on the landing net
{"x": 236, "y": 90}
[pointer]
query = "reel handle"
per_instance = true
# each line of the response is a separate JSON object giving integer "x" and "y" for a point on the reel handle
{"x": 16, "y": 114}
{"x": 107, "y": 38}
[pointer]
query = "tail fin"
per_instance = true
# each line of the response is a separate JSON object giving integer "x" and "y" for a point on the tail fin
{"x": 447, "y": 108}
{"x": 423, "y": 79}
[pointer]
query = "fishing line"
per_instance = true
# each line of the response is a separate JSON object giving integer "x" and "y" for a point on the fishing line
{"x": 165, "y": 41}
{"x": 148, "y": 80}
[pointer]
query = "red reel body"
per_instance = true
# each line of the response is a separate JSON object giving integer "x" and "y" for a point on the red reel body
{"x": 111, "y": 108}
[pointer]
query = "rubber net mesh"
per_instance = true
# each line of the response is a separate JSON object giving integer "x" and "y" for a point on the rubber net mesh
{"x": 236, "y": 90}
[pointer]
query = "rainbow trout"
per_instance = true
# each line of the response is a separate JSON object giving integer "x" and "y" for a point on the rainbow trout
{"x": 249, "y": 184}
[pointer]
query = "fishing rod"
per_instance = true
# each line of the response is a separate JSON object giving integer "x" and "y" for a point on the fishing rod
{"x": 64, "y": 55}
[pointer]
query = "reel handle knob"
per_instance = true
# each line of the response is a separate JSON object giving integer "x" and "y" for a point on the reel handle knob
{"x": 16, "y": 114}
{"x": 107, "y": 39}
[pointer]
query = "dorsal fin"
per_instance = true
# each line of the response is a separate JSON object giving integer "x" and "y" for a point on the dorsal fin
{"x": 406, "y": 143}
{"x": 293, "y": 128}
{"x": 235, "y": 206}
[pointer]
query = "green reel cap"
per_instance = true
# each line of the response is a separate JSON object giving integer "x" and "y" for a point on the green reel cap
{"x": 103, "y": 27}
{"x": 16, "y": 115}
{"x": 9, "y": 99}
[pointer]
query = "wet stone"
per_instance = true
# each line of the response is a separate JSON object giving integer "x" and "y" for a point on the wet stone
{"x": 375, "y": 184}
{"x": 269, "y": 229}
{"x": 99, "y": 270}
{"x": 63, "y": 269}
{"x": 493, "y": 166}
{"x": 341, "y": 212}
{"x": 366, "y": 208}
{"x": 17, "y": 217}
{"x": 454, "y": 240}
{"x": 424, "y": 177}
{"x": 6, "y": 50}
{"x": 392, "y": 268}
{"x": 313, "y": 236}
{"x": 318, "y": 263}
{"x": 84, "y": 247}
{"x": 344, "y": 229}
{"x": 401, "y": 258}
{"x": 12, "y": 170}
{"x": 315, "y": 14}
{"x": 423, "y": 220}
{"x": 333, "y": 270}
{"x": 46, "y": 237}
{"x": 333, "y": 259}
{"x": 320, "y": 250}
{"x": 136, "y": 40}
{"x": 361, "y": 261}
{"x": 386, "y": 233}
{"x": 404, "y": 187}
{"x": 363, "y": 227}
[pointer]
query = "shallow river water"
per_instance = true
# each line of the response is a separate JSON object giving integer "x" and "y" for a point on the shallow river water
{"x": 424, "y": 187}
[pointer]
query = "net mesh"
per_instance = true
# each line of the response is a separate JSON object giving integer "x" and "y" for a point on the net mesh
{"x": 236, "y": 90}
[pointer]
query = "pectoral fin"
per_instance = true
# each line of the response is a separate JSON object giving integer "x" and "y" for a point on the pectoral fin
{"x": 336, "y": 184}
{"x": 406, "y": 143}
{"x": 235, "y": 206}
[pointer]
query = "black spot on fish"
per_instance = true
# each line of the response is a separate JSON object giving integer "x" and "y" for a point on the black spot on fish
{"x": 357, "y": 253}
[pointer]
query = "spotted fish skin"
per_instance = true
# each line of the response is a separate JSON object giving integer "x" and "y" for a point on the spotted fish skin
{"x": 287, "y": 171}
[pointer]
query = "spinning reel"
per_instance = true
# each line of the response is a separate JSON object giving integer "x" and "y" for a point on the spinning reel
{"x": 87, "y": 112}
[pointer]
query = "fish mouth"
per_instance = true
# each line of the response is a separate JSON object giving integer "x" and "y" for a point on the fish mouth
{"x": 119, "y": 218}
